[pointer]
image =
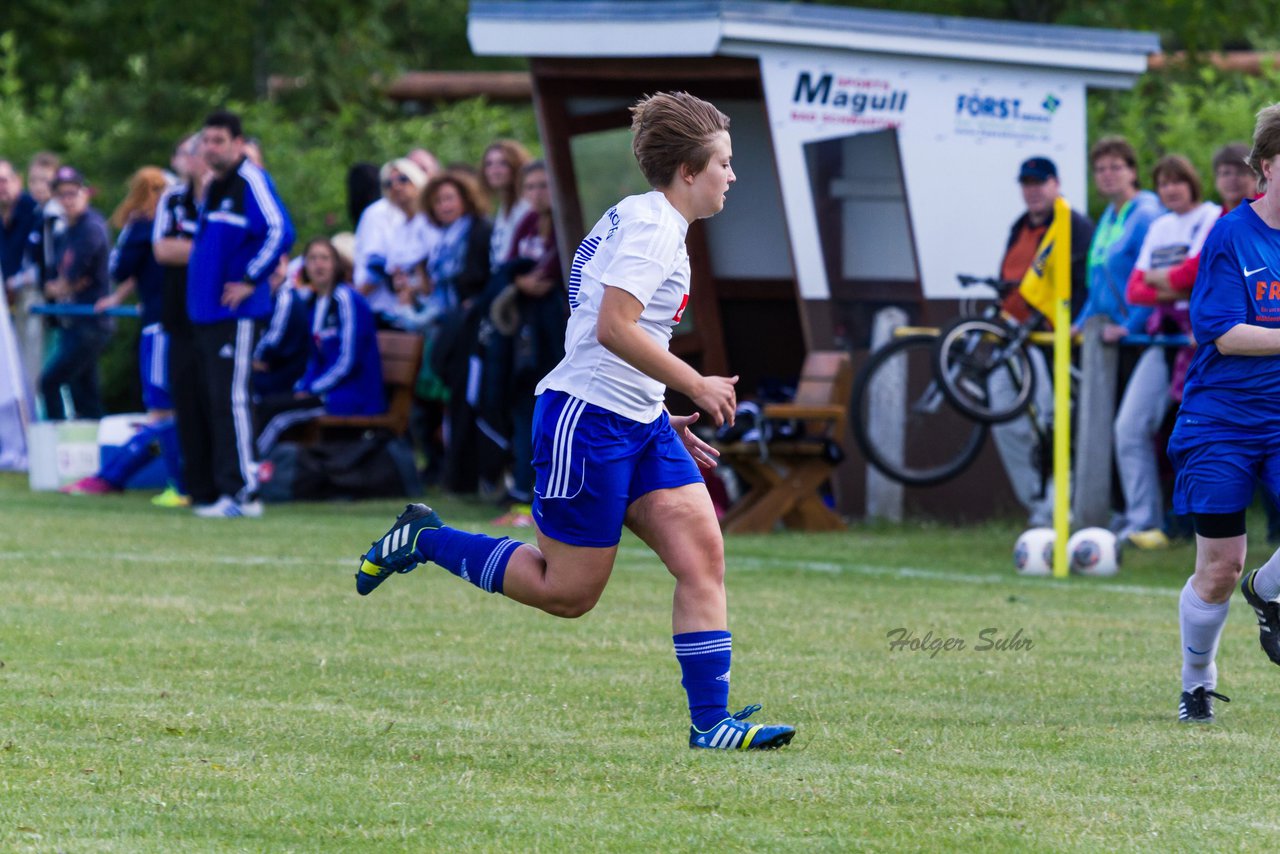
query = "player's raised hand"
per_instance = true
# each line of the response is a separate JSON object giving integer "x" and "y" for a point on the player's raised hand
{"x": 716, "y": 396}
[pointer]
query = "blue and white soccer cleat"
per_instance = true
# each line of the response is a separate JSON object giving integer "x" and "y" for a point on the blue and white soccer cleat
{"x": 397, "y": 550}
{"x": 734, "y": 733}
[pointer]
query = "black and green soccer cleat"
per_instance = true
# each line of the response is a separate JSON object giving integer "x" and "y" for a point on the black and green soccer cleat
{"x": 397, "y": 550}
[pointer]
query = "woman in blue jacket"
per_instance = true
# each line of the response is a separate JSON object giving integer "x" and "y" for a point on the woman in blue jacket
{"x": 344, "y": 371}
{"x": 1117, "y": 239}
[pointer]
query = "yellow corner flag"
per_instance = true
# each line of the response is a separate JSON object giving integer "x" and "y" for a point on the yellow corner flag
{"x": 1048, "y": 279}
{"x": 1047, "y": 288}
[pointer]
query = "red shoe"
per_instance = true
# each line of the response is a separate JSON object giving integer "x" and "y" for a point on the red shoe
{"x": 91, "y": 485}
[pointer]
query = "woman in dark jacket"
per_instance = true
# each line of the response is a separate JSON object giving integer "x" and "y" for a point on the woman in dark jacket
{"x": 457, "y": 271}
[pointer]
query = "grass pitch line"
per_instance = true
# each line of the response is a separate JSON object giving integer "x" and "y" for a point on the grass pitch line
{"x": 735, "y": 562}
{"x": 741, "y": 562}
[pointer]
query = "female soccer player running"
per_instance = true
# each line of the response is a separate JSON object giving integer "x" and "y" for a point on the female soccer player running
{"x": 606, "y": 453}
{"x": 1225, "y": 436}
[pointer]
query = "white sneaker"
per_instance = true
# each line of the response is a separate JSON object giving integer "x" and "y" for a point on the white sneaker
{"x": 227, "y": 507}
{"x": 250, "y": 509}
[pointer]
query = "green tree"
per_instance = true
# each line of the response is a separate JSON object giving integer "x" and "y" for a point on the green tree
{"x": 111, "y": 85}
{"x": 1189, "y": 112}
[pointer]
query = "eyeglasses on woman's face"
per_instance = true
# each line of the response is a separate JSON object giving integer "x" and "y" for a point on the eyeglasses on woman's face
{"x": 395, "y": 179}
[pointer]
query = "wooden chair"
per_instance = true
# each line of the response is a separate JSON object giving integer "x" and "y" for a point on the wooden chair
{"x": 785, "y": 474}
{"x": 401, "y": 354}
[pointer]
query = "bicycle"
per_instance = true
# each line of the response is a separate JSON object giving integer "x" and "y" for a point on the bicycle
{"x": 982, "y": 363}
{"x": 923, "y": 403}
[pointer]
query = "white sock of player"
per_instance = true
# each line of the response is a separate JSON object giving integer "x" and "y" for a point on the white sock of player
{"x": 1201, "y": 625}
{"x": 1267, "y": 582}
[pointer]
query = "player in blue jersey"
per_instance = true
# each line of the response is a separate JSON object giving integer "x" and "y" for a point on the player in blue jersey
{"x": 1225, "y": 437}
{"x": 606, "y": 452}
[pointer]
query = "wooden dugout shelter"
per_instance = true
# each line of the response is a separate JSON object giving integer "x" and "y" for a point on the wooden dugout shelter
{"x": 876, "y": 155}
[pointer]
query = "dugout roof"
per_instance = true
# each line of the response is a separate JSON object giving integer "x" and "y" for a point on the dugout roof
{"x": 601, "y": 28}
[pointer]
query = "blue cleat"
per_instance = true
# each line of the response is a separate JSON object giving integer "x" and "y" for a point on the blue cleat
{"x": 397, "y": 550}
{"x": 734, "y": 733}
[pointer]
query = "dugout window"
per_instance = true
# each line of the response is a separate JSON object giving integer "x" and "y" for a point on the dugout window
{"x": 860, "y": 203}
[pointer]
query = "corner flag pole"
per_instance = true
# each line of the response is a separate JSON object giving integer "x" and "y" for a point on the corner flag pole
{"x": 1061, "y": 273}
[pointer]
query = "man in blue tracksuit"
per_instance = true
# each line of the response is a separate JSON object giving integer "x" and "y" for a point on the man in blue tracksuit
{"x": 241, "y": 233}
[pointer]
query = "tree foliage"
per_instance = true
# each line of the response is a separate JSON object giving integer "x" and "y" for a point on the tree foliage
{"x": 237, "y": 45}
{"x": 111, "y": 85}
{"x": 1192, "y": 112}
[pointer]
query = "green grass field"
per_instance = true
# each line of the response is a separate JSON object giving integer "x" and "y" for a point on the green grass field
{"x": 174, "y": 684}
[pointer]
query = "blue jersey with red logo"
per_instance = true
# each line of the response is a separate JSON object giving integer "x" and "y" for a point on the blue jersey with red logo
{"x": 1238, "y": 282}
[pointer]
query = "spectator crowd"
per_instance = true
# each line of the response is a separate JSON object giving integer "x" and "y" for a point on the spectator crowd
{"x": 242, "y": 341}
{"x": 1134, "y": 270}
{"x": 245, "y": 339}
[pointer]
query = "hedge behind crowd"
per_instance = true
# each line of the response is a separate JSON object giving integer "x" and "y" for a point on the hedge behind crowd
{"x": 109, "y": 129}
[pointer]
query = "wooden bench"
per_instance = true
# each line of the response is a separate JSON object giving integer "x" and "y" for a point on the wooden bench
{"x": 401, "y": 354}
{"x": 785, "y": 475}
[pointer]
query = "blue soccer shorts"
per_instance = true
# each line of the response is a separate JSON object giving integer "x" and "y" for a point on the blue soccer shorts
{"x": 153, "y": 364}
{"x": 590, "y": 464}
{"x": 1218, "y": 465}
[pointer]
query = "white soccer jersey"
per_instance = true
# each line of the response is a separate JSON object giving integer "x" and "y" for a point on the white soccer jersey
{"x": 638, "y": 246}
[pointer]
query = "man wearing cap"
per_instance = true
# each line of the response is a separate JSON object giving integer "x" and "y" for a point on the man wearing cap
{"x": 79, "y": 279}
{"x": 1038, "y": 178}
{"x": 1017, "y": 440}
{"x": 242, "y": 230}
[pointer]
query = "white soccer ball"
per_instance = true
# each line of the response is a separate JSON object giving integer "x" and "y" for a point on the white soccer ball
{"x": 1094, "y": 551}
{"x": 1033, "y": 552}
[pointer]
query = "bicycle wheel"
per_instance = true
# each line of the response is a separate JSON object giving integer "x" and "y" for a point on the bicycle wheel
{"x": 903, "y": 424}
{"x": 983, "y": 371}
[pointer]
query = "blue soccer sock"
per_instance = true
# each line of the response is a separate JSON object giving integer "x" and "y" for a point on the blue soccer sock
{"x": 477, "y": 558}
{"x": 704, "y": 662}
